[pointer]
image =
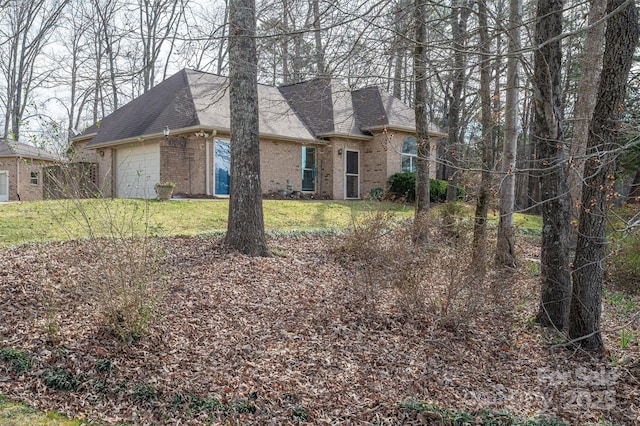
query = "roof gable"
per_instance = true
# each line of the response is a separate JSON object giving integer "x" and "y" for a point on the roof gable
{"x": 367, "y": 104}
{"x": 190, "y": 99}
{"x": 168, "y": 104}
{"x": 377, "y": 108}
{"x": 313, "y": 103}
{"x": 212, "y": 104}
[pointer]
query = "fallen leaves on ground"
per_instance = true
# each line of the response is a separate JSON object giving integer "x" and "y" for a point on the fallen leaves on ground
{"x": 285, "y": 339}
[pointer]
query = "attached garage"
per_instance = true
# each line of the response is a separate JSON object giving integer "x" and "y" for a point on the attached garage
{"x": 137, "y": 170}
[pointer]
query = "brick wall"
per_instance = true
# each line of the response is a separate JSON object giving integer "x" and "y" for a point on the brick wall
{"x": 9, "y": 164}
{"x": 375, "y": 164}
{"x": 324, "y": 179}
{"x": 20, "y": 170}
{"x": 183, "y": 162}
{"x": 82, "y": 154}
{"x": 30, "y": 191}
{"x": 106, "y": 179}
{"x": 280, "y": 165}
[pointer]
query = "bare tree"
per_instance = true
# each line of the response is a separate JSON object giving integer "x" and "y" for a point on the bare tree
{"x": 621, "y": 38}
{"x": 106, "y": 41}
{"x": 459, "y": 19}
{"x": 591, "y": 64}
{"x": 158, "y": 23}
{"x": 421, "y": 230}
{"x": 482, "y": 202}
{"x": 505, "y": 248}
{"x": 27, "y": 27}
{"x": 245, "y": 228}
{"x": 317, "y": 33}
{"x": 548, "y": 133}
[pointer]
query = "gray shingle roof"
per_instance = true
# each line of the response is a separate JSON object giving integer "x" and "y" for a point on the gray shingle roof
{"x": 328, "y": 108}
{"x": 167, "y": 104}
{"x": 17, "y": 149}
{"x": 192, "y": 98}
{"x": 304, "y": 111}
{"x": 210, "y": 95}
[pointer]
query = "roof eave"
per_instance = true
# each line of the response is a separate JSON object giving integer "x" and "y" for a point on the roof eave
{"x": 345, "y": 135}
{"x": 81, "y": 138}
{"x": 157, "y": 135}
{"x": 32, "y": 157}
{"x": 403, "y": 129}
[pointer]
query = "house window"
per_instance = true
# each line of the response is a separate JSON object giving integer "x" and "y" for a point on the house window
{"x": 222, "y": 167}
{"x": 34, "y": 178}
{"x": 409, "y": 154}
{"x": 352, "y": 174}
{"x": 308, "y": 169}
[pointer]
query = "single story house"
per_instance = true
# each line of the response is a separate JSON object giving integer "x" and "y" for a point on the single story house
{"x": 316, "y": 137}
{"x": 21, "y": 170}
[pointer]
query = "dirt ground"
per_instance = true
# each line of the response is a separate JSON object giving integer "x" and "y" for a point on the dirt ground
{"x": 290, "y": 339}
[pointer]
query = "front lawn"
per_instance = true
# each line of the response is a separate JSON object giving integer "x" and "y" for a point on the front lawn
{"x": 67, "y": 219}
{"x": 30, "y": 222}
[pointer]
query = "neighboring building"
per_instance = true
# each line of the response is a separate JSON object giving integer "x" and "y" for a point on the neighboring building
{"x": 316, "y": 137}
{"x": 21, "y": 171}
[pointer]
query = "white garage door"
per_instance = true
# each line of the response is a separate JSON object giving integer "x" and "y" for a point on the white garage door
{"x": 137, "y": 171}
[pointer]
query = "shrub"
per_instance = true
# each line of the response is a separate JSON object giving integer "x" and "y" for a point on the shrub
{"x": 440, "y": 281}
{"x": 403, "y": 185}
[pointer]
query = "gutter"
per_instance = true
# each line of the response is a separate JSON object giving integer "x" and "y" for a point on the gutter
{"x": 157, "y": 135}
{"x": 346, "y": 136}
{"x": 194, "y": 129}
{"x": 432, "y": 133}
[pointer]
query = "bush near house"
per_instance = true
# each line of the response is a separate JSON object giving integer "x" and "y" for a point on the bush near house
{"x": 403, "y": 185}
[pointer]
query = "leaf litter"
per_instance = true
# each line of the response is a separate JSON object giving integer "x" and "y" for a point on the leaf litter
{"x": 287, "y": 340}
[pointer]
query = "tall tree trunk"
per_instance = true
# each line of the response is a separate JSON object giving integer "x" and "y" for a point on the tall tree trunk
{"x": 591, "y": 62}
{"x": 399, "y": 49}
{"x": 319, "y": 54}
{"x": 286, "y": 78}
{"x": 459, "y": 16}
{"x": 221, "y": 47}
{"x": 420, "y": 223}
{"x": 621, "y": 38}
{"x": 245, "y": 228}
{"x": 505, "y": 248}
{"x": 482, "y": 202}
{"x": 547, "y": 132}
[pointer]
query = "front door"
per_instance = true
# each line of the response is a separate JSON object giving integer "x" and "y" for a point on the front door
{"x": 4, "y": 185}
{"x": 352, "y": 174}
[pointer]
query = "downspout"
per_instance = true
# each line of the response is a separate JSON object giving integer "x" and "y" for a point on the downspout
{"x": 18, "y": 178}
{"x": 207, "y": 150}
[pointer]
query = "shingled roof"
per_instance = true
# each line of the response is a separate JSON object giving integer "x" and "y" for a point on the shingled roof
{"x": 329, "y": 108}
{"x": 192, "y": 99}
{"x": 10, "y": 148}
{"x": 304, "y": 112}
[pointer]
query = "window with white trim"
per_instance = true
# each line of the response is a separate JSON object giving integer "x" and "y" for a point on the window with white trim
{"x": 308, "y": 169}
{"x": 409, "y": 154}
